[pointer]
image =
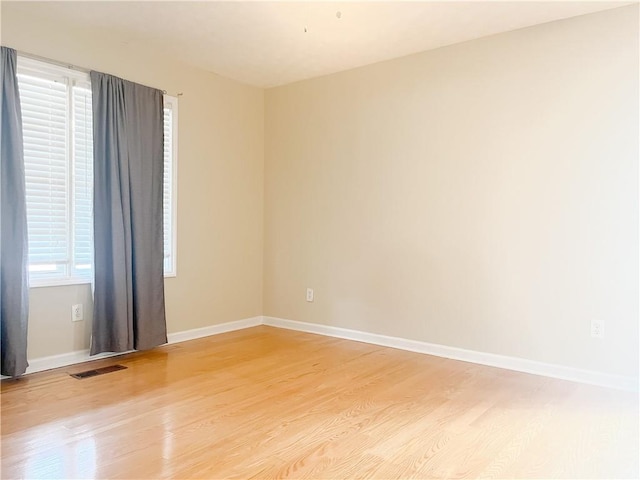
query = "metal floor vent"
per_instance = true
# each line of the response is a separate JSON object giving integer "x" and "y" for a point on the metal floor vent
{"x": 97, "y": 371}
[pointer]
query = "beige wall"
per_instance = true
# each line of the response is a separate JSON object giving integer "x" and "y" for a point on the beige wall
{"x": 220, "y": 184}
{"x": 482, "y": 196}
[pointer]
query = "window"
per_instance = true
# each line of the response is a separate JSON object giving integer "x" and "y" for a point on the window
{"x": 56, "y": 124}
{"x": 169, "y": 190}
{"x": 58, "y": 156}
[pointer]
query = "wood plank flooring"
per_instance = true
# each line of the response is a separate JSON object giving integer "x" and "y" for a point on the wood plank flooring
{"x": 271, "y": 403}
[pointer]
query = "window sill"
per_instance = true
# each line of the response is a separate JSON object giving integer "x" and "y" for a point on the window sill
{"x": 68, "y": 282}
{"x": 58, "y": 283}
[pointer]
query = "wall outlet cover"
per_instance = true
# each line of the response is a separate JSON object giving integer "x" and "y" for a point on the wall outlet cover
{"x": 77, "y": 313}
{"x": 597, "y": 328}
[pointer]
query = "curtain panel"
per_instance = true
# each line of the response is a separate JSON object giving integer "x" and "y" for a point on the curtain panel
{"x": 128, "y": 142}
{"x": 14, "y": 280}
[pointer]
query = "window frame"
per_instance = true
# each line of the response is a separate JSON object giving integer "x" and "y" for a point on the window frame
{"x": 173, "y": 102}
{"x": 70, "y": 78}
{"x": 51, "y": 71}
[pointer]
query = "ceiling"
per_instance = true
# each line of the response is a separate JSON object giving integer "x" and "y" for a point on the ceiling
{"x": 265, "y": 43}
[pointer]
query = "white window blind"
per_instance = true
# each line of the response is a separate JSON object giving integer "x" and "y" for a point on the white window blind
{"x": 58, "y": 146}
{"x": 56, "y": 125}
{"x": 45, "y": 125}
{"x": 82, "y": 192}
{"x": 167, "y": 197}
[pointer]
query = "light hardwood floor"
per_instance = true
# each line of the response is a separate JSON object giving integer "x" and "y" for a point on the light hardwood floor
{"x": 265, "y": 403}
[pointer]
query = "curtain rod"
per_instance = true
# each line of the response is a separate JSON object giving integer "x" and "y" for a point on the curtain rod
{"x": 63, "y": 64}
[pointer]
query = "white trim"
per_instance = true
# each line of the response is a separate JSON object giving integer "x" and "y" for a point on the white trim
{"x": 52, "y": 70}
{"x": 66, "y": 359}
{"x": 64, "y": 272}
{"x": 213, "y": 330}
{"x": 172, "y": 103}
{"x": 500, "y": 361}
{"x": 82, "y": 356}
{"x": 58, "y": 282}
{"x": 490, "y": 359}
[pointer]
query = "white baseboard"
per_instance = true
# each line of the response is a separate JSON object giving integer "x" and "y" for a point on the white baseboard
{"x": 81, "y": 356}
{"x": 213, "y": 330}
{"x": 65, "y": 359}
{"x": 510, "y": 363}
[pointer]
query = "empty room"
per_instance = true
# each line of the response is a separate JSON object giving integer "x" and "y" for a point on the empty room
{"x": 313, "y": 239}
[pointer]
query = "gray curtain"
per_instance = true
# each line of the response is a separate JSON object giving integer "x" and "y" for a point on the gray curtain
{"x": 14, "y": 280}
{"x": 128, "y": 142}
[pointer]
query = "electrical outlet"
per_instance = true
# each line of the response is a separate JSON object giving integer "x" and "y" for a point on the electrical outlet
{"x": 597, "y": 328}
{"x": 309, "y": 294}
{"x": 76, "y": 313}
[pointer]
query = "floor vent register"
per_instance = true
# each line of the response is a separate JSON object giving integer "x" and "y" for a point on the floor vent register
{"x": 97, "y": 371}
